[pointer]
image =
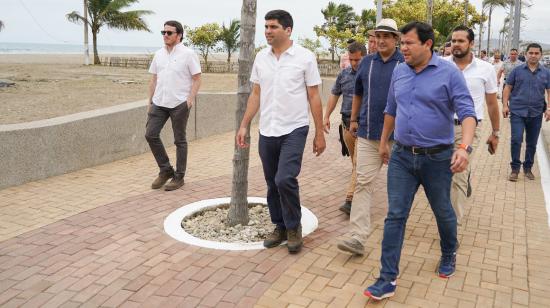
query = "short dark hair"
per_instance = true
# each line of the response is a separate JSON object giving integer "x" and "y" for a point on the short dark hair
{"x": 514, "y": 49}
{"x": 484, "y": 51}
{"x": 424, "y": 31}
{"x": 533, "y": 45}
{"x": 448, "y": 44}
{"x": 177, "y": 25}
{"x": 356, "y": 46}
{"x": 351, "y": 40}
{"x": 282, "y": 17}
{"x": 470, "y": 32}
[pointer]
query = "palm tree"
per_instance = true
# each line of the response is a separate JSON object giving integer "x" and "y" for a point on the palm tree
{"x": 341, "y": 16}
{"x": 490, "y": 5}
{"x": 238, "y": 208}
{"x": 367, "y": 20}
{"x": 337, "y": 17}
{"x": 230, "y": 37}
{"x": 108, "y": 13}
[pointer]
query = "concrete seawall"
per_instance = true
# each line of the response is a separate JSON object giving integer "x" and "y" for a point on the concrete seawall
{"x": 40, "y": 149}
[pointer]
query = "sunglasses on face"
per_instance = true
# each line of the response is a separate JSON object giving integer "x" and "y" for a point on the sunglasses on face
{"x": 167, "y": 32}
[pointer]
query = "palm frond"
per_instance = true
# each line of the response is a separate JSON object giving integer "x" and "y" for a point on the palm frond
{"x": 130, "y": 20}
{"x": 75, "y": 17}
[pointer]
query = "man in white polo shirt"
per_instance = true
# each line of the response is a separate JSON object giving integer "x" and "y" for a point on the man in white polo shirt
{"x": 176, "y": 80}
{"x": 482, "y": 82}
{"x": 285, "y": 81}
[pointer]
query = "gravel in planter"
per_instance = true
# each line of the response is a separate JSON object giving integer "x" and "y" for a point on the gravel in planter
{"x": 210, "y": 225}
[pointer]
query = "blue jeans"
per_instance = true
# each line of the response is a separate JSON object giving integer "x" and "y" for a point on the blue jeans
{"x": 282, "y": 160}
{"x": 406, "y": 172}
{"x": 531, "y": 126}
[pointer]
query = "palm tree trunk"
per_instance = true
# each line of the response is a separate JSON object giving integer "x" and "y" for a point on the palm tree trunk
{"x": 238, "y": 209}
{"x": 229, "y": 60}
{"x": 489, "y": 29}
{"x": 480, "y": 37}
{"x": 430, "y": 11}
{"x": 466, "y": 4}
{"x": 94, "y": 39}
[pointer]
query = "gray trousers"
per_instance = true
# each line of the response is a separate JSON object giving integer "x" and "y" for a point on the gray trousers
{"x": 156, "y": 118}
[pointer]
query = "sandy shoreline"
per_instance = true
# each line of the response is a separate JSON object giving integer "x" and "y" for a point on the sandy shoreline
{"x": 54, "y": 85}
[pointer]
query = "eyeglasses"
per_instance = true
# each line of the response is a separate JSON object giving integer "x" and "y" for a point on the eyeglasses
{"x": 167, "y": 32}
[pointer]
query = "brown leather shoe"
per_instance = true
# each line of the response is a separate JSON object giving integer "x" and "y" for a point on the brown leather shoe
{"x": 346, "y": 208}
{"x": 175, "y": 183}
{"x": 529, "y": 174}
{"x": 294, "y": 243}
{"x": 513, "y": 176}
{"x": 161, "y": 180}
{"x": 275, "y": 238}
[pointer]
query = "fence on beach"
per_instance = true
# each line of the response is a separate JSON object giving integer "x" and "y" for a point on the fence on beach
{"x": 325, "y": 69}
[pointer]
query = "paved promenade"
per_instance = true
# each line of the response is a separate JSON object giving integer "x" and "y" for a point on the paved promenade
{"x": 95, "y": 238}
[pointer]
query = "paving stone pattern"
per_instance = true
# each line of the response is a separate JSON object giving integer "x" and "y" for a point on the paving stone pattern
{"x": 95, "y": 238}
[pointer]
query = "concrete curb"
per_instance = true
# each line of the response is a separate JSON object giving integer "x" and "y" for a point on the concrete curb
{"x": 40, "y": 149}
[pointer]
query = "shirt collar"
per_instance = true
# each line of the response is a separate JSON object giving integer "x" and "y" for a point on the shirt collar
{"x": 394, "y": 56}
{"x": 526, "y": 66}
{"x": 176, "y": 47}
{"x": 291, "y": 50}
{"x": 434, "y": 61}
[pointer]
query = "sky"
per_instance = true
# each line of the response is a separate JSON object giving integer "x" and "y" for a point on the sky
{"x": 43, "y": 21}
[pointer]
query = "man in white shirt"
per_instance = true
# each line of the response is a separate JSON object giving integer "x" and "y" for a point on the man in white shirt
{"x": 481, "y": 80}
{"x": 176, "y": 80}
{"x": 285, "y": 81}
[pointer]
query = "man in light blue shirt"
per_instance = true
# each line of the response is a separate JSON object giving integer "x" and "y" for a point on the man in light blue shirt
{"x": 424, "y": 94}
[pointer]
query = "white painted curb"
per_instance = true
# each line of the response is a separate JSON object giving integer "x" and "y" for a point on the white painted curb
{"x": 544, "y": 167}
{"x": 172, "y": 225}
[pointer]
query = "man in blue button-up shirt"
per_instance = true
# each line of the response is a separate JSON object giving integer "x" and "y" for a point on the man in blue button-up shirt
{"x": 424, "y": 94}
{"x": 527, "y": 85}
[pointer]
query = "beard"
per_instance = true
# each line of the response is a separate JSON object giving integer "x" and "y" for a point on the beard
{"x": 459, "y": 54}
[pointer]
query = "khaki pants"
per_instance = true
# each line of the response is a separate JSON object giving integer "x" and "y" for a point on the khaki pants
{"x": 350, "y": 142}
{"x": 368, "y": 166}
{"x": 459, "y": 185}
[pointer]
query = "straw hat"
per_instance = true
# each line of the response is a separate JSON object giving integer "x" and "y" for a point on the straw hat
{"x": 385, "y": 25}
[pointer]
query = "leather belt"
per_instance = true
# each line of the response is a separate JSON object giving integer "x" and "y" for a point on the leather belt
{"x": 431, "y": 150}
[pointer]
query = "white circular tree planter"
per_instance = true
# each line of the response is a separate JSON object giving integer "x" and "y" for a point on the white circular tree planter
{"x": 172, "y": 224}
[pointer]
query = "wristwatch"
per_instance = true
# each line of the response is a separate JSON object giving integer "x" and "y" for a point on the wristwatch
{"x": 496, "y": 133}
{"x": 466, "y": 147}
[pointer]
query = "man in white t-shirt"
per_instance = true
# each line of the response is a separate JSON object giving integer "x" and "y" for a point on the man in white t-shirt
{"x": 176, "y": 80}
{"x": 285, "y": 82}
{"x": 482, "y": 82}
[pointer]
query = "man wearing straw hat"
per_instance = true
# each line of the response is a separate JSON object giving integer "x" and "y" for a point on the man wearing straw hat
{"x": 367, "y": 118}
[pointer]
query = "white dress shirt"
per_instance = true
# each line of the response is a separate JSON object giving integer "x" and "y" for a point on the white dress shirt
{"x": 174, "y": 72}
{"x": 283, "y": 94}
{"x": 481, "y": 79}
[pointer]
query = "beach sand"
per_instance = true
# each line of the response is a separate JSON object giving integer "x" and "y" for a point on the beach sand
{"x": 49, "y": 86}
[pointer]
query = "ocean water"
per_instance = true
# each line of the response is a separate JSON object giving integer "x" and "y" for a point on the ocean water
{"x": 31, "y": 48}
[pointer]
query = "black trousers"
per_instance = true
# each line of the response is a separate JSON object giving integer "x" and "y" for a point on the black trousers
{"x": 156, "y": 118}
{"x": 282, "y": 160}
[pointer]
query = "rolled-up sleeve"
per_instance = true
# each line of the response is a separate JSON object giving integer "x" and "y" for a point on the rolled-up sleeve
{"x": 461, "y": 99}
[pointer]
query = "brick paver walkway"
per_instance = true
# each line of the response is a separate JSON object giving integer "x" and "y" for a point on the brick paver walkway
{"x": 95, "y": 238}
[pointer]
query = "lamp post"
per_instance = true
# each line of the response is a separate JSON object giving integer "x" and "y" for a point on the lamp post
{"x": 86, "y": 48}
